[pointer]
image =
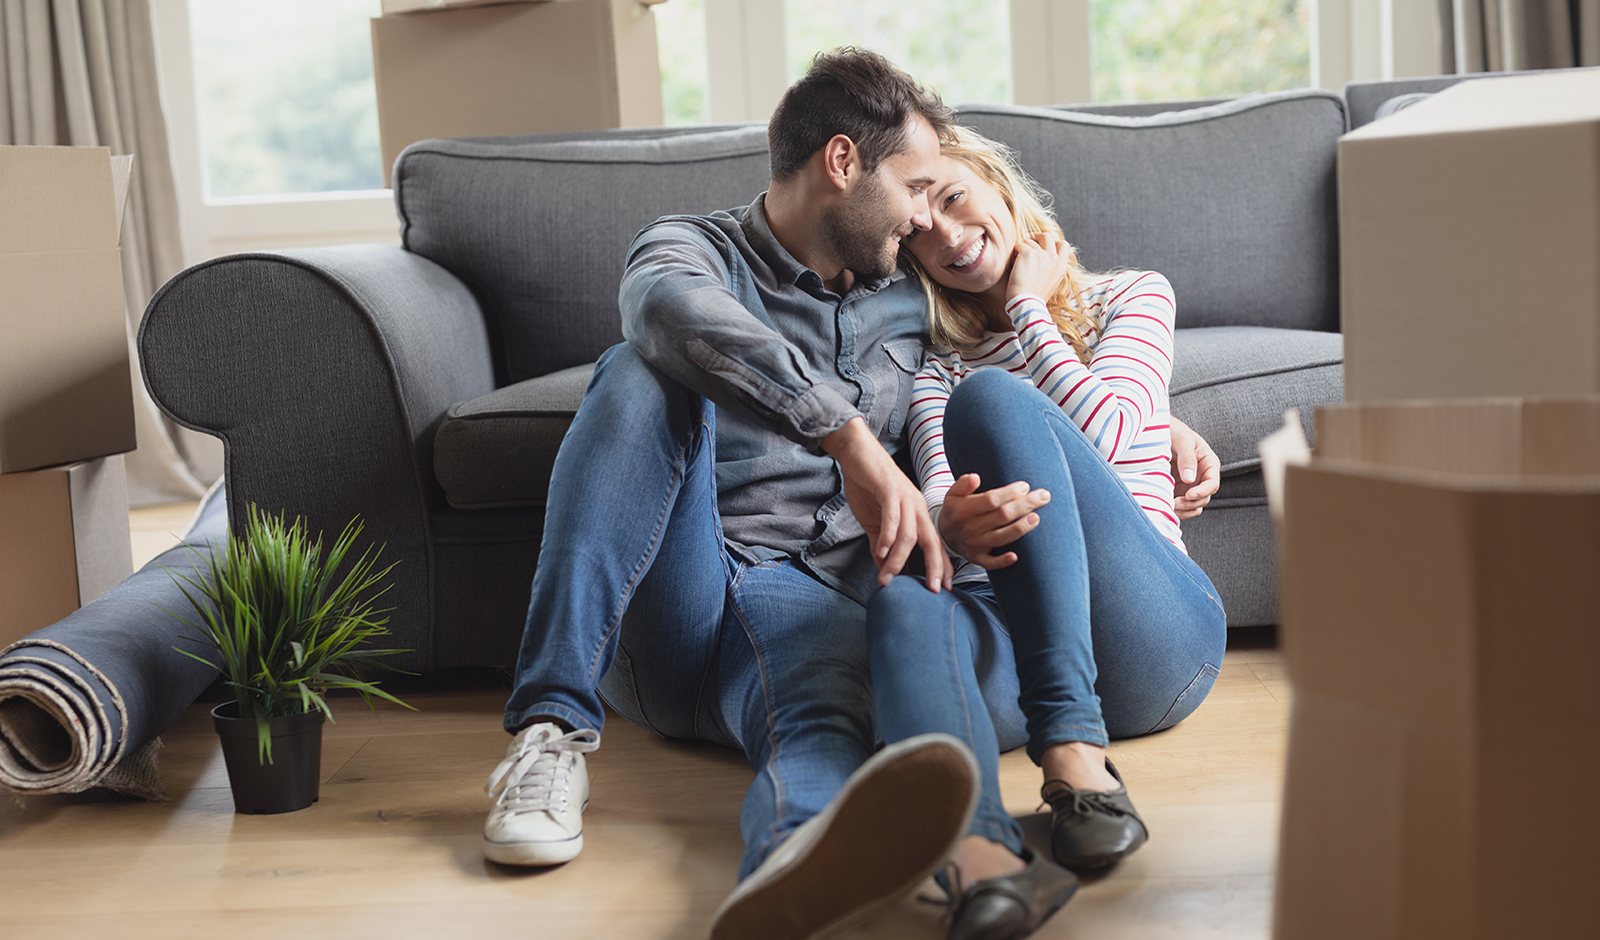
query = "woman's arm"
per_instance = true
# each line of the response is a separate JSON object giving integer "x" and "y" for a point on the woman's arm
{"x": 1125, "y": 383}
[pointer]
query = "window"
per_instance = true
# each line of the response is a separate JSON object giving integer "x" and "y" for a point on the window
{"x": 681, "y": 47}
{"x": 960, "y": 48}
{"x": 285, "y": 96}
{"x": 1145, "y": 50}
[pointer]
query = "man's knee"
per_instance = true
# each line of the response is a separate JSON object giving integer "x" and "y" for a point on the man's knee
{"x": 901, "y": 614}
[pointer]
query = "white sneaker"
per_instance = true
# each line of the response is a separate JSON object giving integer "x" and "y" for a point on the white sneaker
{"x": 540, "y": 791}
{"x": 892, "y": 824}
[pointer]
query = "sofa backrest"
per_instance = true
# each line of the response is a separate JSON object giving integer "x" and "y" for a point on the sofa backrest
{"x": 537, "y": 227}
{"x": 1234, "y": 202}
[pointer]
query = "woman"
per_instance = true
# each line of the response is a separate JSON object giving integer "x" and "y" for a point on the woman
{"x": 1078, "y": 616}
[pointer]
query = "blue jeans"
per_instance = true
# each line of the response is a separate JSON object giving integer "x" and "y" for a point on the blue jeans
{"x": 682, "y": 635}
{"x": 1101, "y": 629}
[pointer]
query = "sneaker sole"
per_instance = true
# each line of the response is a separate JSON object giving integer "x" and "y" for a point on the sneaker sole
{"x": 533, "y": 853}
{"x": 915, "y": 806}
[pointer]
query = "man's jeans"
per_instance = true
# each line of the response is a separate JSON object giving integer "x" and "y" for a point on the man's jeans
{"x": 1102, "y": 628}
{"x": 636, "y": 593}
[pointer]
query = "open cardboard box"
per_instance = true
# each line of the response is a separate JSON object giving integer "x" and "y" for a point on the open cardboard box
{"x": 1441, "y": 626}
{"x": 65, "y": 388}
{"x": 1469, "y": 228}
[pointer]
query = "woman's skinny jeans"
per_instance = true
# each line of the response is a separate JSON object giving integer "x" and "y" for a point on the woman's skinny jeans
{"x": 1101, "y": 629}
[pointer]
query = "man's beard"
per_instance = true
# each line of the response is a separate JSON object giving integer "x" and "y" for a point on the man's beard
{"x": 858, "y": 232}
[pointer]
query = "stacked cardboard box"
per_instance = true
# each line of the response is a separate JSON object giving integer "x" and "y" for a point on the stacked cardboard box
{"x": 1469, "y": 228}
{"x": 471, "y": 70}
{"x": 66, "y": 400}
{"x": 1441, "y": 625}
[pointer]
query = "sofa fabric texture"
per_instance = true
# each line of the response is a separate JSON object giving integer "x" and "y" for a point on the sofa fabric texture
{"x": 537, "y": 229}
{"x": 1235, "y": 203}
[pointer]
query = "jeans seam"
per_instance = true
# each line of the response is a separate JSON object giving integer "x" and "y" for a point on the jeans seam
{"x": 778, "y": 797}
{"x": 1207, "y": 671}
{"x": 643, "y": 566}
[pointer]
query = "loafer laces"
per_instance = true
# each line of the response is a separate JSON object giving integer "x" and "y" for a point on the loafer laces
{"x": 537, "y": 776}
{"x": 1084, "y": 802}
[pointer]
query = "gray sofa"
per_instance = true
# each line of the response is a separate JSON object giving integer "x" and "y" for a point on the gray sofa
{"x": 427, "y": 387}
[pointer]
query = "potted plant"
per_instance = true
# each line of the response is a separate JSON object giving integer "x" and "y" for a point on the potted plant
{"x": 285, "y": 624}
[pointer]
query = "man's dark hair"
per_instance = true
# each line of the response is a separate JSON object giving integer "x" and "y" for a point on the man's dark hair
{"x": 854, "y": 92}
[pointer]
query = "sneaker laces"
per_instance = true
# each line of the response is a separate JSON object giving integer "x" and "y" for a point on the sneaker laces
{"x": 536, "y": 775}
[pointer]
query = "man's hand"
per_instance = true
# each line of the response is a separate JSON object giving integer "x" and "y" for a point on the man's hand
{"x": 888, "y": 506}
{"x": 974, "y": 524}
{"x": 1196, "y": 471}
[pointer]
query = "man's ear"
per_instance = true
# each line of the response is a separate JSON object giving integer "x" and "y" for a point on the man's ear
{"x": 841, "y": 161}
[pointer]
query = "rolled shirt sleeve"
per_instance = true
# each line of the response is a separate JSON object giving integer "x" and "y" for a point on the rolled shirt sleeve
{"x": 681, "y": 310}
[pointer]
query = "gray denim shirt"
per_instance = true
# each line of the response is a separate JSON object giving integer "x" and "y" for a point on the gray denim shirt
{"x": 717, "y": 304}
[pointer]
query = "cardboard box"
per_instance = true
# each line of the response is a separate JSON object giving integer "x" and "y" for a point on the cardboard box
{"x": 65, "y": 390}
{"x": 428, "y": 6}
{"x": 64, "y": 541}
{"x": 1441, "y": 626}
{"x": 1469, "y": 233}
{"x": 521, "y": 68}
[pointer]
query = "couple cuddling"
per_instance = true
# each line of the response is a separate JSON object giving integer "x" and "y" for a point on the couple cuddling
{"x": 727, "y": 528}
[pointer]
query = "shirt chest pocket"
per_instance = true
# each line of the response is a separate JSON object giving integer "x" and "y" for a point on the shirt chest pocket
{"x": 903, "y": 358}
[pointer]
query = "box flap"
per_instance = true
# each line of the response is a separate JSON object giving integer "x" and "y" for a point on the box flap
{"x": 1486, "y": 104}
{"x": 121, "y": 177}
{"x": 1505, "y": 437}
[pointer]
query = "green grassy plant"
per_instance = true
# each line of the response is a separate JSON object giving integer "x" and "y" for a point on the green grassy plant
{"x": 285, "y": 623}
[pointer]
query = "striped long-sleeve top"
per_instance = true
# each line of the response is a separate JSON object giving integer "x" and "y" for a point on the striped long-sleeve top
{"x": 1119, "y": 399}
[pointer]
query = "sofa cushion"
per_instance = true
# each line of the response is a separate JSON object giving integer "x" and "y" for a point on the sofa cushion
{"x": 1233, "y": 383}
{"x": 1230, "y": 383}
{"x": 498, "y": 450}
{"x": 537, "y": 227}
{"x": 1235, "y": 202}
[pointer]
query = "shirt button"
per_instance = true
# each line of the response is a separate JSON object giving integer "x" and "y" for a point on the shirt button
{"x": 807, "y": 424}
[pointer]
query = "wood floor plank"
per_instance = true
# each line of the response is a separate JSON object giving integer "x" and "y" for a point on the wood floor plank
{"x": 392, "y": 848}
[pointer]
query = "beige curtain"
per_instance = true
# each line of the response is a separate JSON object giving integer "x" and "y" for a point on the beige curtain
{"x": 83, "y": 73}
{"x": 1512, "y": 35}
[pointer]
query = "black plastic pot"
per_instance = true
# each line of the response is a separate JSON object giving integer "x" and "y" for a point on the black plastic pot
{"x": 288, "y": 783}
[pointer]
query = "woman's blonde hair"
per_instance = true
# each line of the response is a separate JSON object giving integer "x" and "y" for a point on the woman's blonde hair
{"x": 956, "y": 318}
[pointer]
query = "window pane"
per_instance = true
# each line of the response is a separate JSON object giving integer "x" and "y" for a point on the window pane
{"x": 960, "y": 48}
{"x": 285, "y": 96}
{"x": 681, "y": 45}
{"x": 1149, "y": 50}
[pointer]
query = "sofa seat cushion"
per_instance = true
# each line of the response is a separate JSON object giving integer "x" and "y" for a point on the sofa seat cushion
{"x": 498, "y": 450}
{"x": 1233, "y": 383}
{"x": 1230, "y": 383}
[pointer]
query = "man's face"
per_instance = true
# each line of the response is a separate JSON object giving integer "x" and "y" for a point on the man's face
{"x": 865, "y": 229}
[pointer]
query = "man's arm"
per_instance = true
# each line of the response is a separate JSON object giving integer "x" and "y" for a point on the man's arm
{"x": 1196, "y": 471}
{"x": 887, "y": 504}
{"x": 680, "y": 312}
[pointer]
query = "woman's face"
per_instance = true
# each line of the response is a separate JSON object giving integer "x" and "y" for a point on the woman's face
{"x": 973, "y": 237}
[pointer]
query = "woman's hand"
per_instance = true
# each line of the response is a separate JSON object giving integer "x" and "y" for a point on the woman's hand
{"x": 1040, "y": 265}
{"x": 1196, "y": 471}
{"x": 974, "y": 524}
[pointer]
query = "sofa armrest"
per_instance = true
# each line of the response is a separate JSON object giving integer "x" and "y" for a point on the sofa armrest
{"x": 325, "y": 372}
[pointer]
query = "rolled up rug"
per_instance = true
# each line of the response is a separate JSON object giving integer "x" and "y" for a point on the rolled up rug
{"x": 83, "y": 701}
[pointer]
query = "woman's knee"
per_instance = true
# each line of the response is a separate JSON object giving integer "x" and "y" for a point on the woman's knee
{"x": 983, "y": 396}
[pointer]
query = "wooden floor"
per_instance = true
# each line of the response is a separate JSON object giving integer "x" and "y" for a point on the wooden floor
{"x": 392, "y": 848}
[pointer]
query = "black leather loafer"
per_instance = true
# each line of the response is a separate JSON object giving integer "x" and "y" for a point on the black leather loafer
{"x": 1011, "y": 906}
{"x": 1092, "y": 829}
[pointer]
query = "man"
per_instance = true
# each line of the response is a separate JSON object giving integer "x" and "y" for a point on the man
{"x": 746, "y": 430}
